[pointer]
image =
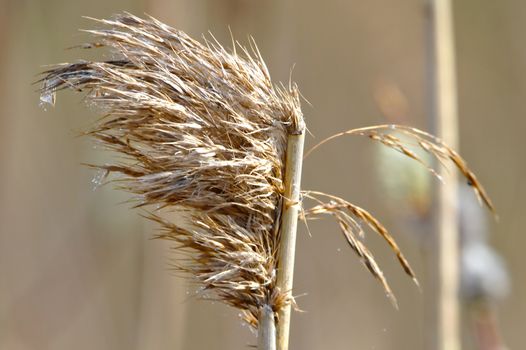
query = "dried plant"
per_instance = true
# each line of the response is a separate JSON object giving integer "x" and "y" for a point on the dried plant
{"x": 350, "y": 216}
{"x": 386, "y": 134}
{"x": 203, "y": 131}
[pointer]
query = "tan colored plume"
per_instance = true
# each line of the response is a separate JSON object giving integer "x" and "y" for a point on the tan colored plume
{"x": 203, "y": 131}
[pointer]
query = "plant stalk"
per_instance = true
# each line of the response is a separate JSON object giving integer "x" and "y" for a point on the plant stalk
{"x": 267, "y": 329}
{"x": 289, "y": 224}
{"x": 446, "y": 125}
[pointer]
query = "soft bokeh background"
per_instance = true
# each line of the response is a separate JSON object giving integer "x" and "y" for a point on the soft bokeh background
{"x": 77, "y": 268}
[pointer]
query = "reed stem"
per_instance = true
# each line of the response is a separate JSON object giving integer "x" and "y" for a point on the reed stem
{"x": 267, "y": 329}
{"x": 446, "y": 124}
{"x": 289, "y": 224}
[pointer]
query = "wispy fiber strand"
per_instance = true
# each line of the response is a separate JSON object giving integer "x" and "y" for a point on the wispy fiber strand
{"x": 203, "y": 131}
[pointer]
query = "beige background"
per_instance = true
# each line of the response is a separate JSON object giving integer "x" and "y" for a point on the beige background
{"x": 77, "y": 268}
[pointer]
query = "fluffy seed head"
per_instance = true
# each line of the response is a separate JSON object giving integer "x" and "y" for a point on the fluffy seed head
{"x": 202, "y": 130}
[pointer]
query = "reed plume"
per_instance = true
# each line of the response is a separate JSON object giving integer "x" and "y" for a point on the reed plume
{"x": 204, "y": 131}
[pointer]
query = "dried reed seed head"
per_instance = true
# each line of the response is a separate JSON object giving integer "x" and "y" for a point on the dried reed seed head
{"x": 203, "y": 130}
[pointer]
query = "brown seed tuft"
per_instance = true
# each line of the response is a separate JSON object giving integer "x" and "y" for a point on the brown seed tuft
{"x": 201, "y": 130}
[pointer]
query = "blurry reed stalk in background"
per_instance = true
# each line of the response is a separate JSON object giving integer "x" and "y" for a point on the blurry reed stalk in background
{"x": 443, "y": 90}
{"x": 204, "y": 132}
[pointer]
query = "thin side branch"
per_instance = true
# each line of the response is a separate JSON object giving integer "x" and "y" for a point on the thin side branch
{"x": 349, "y": 218}
{"x": 387, "y": 135}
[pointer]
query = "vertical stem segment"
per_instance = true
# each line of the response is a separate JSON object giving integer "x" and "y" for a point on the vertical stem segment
{"x": 267, "y": 329}
{"x": 289, "y": 224}
{"x": 445, "y": 96}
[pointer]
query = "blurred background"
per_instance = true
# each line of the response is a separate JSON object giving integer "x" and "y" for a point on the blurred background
{"x": 78, "y": 269}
